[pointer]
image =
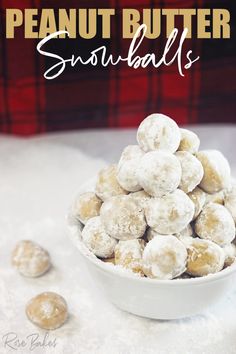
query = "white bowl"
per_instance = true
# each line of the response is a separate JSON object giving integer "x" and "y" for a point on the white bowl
{"x": 158, "y": 299}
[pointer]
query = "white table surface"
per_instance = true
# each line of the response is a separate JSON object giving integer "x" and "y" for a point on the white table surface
{"x": 38, "y": 179}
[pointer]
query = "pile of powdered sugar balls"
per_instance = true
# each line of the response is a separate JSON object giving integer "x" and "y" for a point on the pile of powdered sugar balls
{"x": 166, "y": 210}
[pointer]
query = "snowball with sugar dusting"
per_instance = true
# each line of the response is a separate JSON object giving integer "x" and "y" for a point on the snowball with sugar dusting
{"x": 141, "y": 197}
{"x": 158, "y": 132}
{"x": 192, "y": 171}
{"x": 171, "y": 213}
{"x": 159, "y": 173}
{"x": 127, "y": 168}
{"x": 30, "y": 259}
{"x": 216, "y": 171}
{"x": 107, "y": 185}
{"x": 47, "y": 310}
{"x": 230, "y": 202}
{"x": 123, "y": 218}
{"x": 86, "y": 206}
{"x": 204, "y": 257}
{"x": 128, "y": 254}
{"x": 164, "y": 257}
{"x": 198, "y": 197}
{"x": 215, "y": 223}
{"x": 189, "y": 141}
{"x": 97, "y": 240}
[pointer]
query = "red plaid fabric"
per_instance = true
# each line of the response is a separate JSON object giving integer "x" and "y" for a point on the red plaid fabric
{"x": 116, "y": 96}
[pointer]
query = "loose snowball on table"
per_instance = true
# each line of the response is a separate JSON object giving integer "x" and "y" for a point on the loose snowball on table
{"x": 230, "y": 203}
{"x": 97, "y": 240}
{"x": 159, "y": 173}
{"x": 189, "y": 141}
{"x": 204, "y": 257}
{"x": 158, "y": 132}
{"x": 198, "y": 197}
{"x": 141, "y": 197}
{"x": 86, "y": 206}
{"x": 216, "y": 171}
{"x": 30, "y": 259}
{"x": 127, "y": 168}
{"x": 215, "y": 223}
{"x": 192, "y": 171}
{"x": 123, "y": 218}
{"x": 47, "y": 310}
{"x": 107, "y": 185}
{"x": 164, "y": 257}
{"x": 171, "y": 213}
{"x": 129, "y": 253}
{"x": 230, "y": 254}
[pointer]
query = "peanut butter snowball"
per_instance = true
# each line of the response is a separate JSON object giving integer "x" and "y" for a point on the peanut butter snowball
{"x": 204, "y": 257}
{"x": 216, "y": 171}
{"x": 192, "y": 171}
{"x": 230, "y": 254}
{"x": 86, "y": 206}
{"x": 97, "y": 240}
{"x": 230, "y": 203}
{"x": 127, "y": 168}
{"x": 189, "y": 141}
{"x": 123, "y": 218}
{"x": 159, "y": 173}
{"x": 216, "y": 224}
{"x": 171, "y": 213}
{"x": 164, "y": 257}
{"x": 129, "y": 153}
{"x": 198, "y": 197}
{"x": 218, "y": 197}
{"x": 158, "y": 132}
{"x": 30, "y": 259}
{"x": 107, "y": 185}
{"x": 128, "y": 254}
{"x": 141, "y": 197}
{"x": 47, "y": 310}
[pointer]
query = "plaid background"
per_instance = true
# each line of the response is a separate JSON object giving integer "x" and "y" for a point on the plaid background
{"x": 119, "y": 96}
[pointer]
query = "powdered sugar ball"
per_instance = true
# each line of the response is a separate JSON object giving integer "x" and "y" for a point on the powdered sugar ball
{"x": 97, "y": 240}
{"x": 158, "y": 132}
{"x": 204, "y": 257}
{"x": 127, "y": 168}
{"x": 230, "y": 254}
{"x": 107, "y": 185}
{"x": 192, "y": 171}
{"x": 30, "y": 259}
{"x": 171, "y": 213}
{"x": 141, "y": 197}
{"x": 129, "y": 153}
{"x": 230, "y": 203}
{"x": 198, "y": 197}
{"x": 122, "y": 218}
{"x": 86, "y": 206}
{"x": 215, "y": 223}
{"x": 164, "y": 257}
{"x": 189, "y": 141}
{"x": 159, "y": 173}
{"x": 129, "y": 253}
{"x": 47, "y": 310}
{"x": 216, "y": 171}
